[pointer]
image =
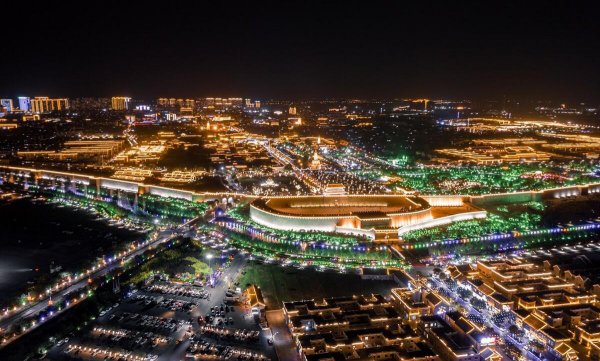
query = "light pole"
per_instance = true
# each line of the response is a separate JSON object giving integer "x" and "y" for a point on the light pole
{"x": 209, "y": 257}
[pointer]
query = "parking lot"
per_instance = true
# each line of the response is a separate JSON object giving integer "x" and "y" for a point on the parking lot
{"x": 165, "y": 320}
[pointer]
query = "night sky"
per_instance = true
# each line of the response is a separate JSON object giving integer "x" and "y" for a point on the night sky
{"x": 477, "y": 50}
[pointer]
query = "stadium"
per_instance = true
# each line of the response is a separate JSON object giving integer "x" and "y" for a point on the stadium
{"x": 367, "y": 215}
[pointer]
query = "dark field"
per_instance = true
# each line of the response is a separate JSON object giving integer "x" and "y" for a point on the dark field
{"x": 280, "y": 284}
{"x": 37, "y": 235}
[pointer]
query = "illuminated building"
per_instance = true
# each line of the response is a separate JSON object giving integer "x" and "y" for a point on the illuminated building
{"x": 346, "y": 213}
{"x": 254, "y": 297}
{"x": 7, "y": 104}
{"x": 25, "y": 104}
{"x": 77, "y": 150}
{"x": 144, "y": 152}
{"x": 337, "y": 313}
{"x": 322, "y": 121}
{"x": 179, "y": 176}
{"x": 221, "y": 118}
{"x": 552, "y": 295}
{"x": 45, "y": 104}
{"x": 315, "y": 163}
{"x": 186, "y": 103}
{"x": 174, "y": 102}
{"x": 335, "y": 189}
{"x": 414, "y": 304}
{"x": 222, "y": 102}
{"x": 6, "y": 126}
{"x": 365, "y": 344}
{"x": 356, "y": 327}
{"x": 365, "y": 215}
{"x": 492, "y": 155}
{"x": 292, "y": 111}
{"x": 450, "y": 343}
{"x": 120, "y": 103}
{"x": 295, "y": 120}
{"x": 424, "y": 101}
{"x": 236, "y": 102}
{"x": 144, "y": 107}
{"x": 31, "y": 117}
{"x": 133, "y": 174}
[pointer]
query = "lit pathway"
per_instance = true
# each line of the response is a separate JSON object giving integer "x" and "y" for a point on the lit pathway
{"x": 282, "y": 340}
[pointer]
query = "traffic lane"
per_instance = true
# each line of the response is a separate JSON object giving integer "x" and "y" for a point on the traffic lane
{"x": 473, "y": 310}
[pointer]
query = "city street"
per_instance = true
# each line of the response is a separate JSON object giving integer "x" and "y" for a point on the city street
{"x": 282, "y": 338}
{"x": 33, "y": 309}
{"x": 485, "y": 315}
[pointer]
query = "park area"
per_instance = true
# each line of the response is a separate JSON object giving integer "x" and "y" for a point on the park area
{"x": 183, "y": 263}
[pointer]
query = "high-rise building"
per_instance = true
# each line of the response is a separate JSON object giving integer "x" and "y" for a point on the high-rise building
{"x": 292, "y": 111}
{"x": 7, "y": 104}
{"x": 45, "y": 104}
{"x": 25, "y": 104}
{"x": 186, "y": 103}
{"x": 120, "y": 103}
{"x": 173, "y": 102}
{"x": 257, "y": 103}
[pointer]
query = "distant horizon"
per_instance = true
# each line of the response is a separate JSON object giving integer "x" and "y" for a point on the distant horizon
{"x": 308, "y": 99}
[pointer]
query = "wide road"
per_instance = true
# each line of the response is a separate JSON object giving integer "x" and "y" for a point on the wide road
{"x": 486, "y": 316}
{"x": 33, "y": 309}
{"x": 282, "y": 337}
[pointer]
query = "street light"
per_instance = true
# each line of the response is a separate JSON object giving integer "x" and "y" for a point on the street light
{"x": 209, "y": 257}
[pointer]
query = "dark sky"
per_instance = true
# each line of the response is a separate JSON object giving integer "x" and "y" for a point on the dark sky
{"x": 479, "y": 49}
